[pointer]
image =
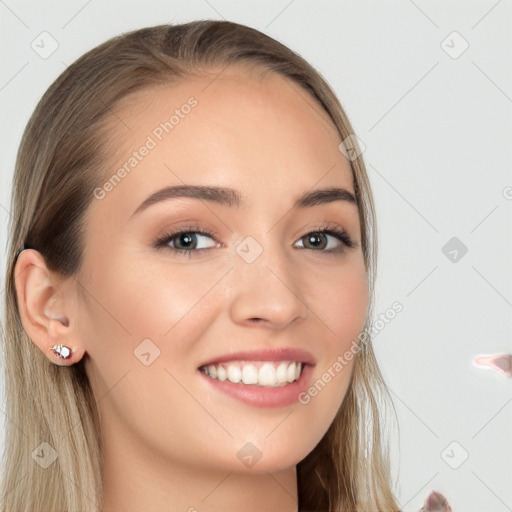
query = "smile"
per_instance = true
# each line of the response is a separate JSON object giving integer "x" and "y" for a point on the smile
{"x": 257, "y": 373}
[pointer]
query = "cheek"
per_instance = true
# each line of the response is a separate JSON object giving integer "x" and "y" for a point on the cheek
{"x": 128, "y": 303}
{"x": 140, "y": 301}
{"x": 341, "y": 303}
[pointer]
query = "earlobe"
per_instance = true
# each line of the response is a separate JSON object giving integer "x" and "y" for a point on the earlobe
{"x": 45, "y": 309}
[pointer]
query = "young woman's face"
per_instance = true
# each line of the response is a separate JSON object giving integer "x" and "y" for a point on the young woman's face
{"x": 154, "y": 313}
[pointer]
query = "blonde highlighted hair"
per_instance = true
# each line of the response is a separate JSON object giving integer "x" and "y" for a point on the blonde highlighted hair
{"x": 59, "y": 164}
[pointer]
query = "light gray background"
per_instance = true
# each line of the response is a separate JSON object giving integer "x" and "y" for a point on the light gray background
{"x": 438, "y": 151}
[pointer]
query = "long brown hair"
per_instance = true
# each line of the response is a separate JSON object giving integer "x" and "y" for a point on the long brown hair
{"x": 59, "y": 165}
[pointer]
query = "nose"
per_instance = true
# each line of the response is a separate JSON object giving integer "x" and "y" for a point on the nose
{"x": 267, "y": 291}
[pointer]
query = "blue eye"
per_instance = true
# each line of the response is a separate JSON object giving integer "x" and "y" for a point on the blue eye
{"x": 186, "y": 242}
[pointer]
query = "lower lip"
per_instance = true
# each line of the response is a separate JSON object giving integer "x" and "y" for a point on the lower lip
{"x": 265, "y": 397}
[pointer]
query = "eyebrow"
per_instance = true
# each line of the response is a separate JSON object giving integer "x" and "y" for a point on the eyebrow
{"x": 230, "y": 197}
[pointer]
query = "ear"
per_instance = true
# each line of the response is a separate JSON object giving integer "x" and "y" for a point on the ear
{"x": 48, "y": 307}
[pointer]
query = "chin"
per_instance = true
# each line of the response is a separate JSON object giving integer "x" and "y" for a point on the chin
{"x": 270, "y": 456}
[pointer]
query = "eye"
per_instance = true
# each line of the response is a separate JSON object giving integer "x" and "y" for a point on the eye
{"x": 330, "y": 240}
{"x": 186, "y": 241}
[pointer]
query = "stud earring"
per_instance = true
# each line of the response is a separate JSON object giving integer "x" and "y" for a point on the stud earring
{"x": 62, "y": 351}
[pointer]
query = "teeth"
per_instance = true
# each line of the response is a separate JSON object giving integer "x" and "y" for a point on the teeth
{"x": 290, "y": 373}
{"x": 249, "y": 374}
{"x": 281, "y": 372}
{"x": 267, "y": 375}
{"x": 259, "y": 373}
{"x": 222, "y": 374}
{"x": 234, "y": 373}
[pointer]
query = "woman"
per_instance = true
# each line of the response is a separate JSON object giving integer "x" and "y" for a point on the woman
{"x": 189, "y": 286}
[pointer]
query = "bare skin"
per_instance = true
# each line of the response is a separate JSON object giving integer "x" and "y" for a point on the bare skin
{"x": 170, "y": 439}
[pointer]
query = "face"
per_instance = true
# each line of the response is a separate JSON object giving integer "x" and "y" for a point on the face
{"x": 243, "y": 281}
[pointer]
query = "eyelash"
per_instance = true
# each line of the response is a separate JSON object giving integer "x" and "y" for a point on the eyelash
{"x": 328, "y": 229}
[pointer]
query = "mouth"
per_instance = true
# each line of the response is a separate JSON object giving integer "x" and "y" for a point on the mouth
{"x": 265, "y": 378}
{"x": 256, "y": 373}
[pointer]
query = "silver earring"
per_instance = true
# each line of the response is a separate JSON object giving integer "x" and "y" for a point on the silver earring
{"x": 62, "y": 351}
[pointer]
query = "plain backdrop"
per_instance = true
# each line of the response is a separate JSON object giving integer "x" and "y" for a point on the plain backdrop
{"x": 428, "y": 88}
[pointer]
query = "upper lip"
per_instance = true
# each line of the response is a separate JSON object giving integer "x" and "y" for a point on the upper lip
{"x": 268, "y": 354}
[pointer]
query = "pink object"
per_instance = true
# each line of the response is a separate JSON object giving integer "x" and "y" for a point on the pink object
{"x": 436, "y": 502}
{"x": 501, "y": 363}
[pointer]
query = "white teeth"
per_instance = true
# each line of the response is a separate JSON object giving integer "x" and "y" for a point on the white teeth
{"x": 290, "y": 373}
{"x": 249, "y": 374}
{"x": 298, "y": 370}
{"x": 281, "y": 373}
{"x": 221, "y": 373}
{"x": 267, "y": 375}
{"x": 234, "y": 374}
{"x": 259, "y": 373}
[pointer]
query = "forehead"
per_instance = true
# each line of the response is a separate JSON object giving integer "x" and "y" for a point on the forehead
{"x": 258, "y": 103}
{"x": 259, "y": 132}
